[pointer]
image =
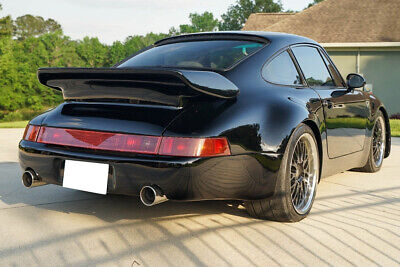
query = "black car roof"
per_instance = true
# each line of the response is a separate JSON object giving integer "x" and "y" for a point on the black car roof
{"x": 259, "y": 36}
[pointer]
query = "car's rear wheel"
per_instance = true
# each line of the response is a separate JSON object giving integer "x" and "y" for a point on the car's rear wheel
{"x": 297, "y": 181}
{"x": 377, "y": 149}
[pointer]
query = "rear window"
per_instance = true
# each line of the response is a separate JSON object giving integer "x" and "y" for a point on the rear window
{"x": 218, "y": 55}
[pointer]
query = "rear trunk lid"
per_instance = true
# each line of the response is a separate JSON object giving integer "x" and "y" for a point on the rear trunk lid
{"x": 122, "y": 118}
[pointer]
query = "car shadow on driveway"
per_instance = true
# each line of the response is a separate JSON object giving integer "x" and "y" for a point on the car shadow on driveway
{"x": 51, "y": 225}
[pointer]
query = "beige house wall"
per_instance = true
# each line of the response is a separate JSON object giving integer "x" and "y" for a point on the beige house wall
{"x": 380, "y": 67}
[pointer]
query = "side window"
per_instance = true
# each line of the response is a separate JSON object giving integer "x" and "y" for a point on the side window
{"x": 337, "y": 79}
{"x": 313, "y": 66}
{"x": 281, "y": 70}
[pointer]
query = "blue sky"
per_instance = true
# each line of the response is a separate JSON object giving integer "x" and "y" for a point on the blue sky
{"x": 112, "y": 20}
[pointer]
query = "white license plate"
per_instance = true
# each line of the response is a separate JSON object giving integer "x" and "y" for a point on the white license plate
{"x": 86, "y": 176}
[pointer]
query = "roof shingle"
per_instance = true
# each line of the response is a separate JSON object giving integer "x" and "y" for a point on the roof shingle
{"x": 341, "y": 21}
{"x": 258, "y": 21}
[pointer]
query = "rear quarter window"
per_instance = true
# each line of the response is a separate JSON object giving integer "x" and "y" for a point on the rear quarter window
{"x": 281, "y": 70}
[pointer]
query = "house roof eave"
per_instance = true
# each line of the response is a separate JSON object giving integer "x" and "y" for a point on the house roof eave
{"x": 362, "y": 45}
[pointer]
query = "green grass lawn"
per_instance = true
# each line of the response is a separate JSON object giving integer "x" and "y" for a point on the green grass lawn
{"x": 394, "y": 125}
{"x": 13, "y": 124}
{"x": 395, "y": 128}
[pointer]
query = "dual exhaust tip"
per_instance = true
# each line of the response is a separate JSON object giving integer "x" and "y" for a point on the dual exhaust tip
{"x": 149, "y": 195}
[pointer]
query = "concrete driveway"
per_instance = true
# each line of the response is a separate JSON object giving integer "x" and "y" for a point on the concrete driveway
{"x": 355, "y": 221}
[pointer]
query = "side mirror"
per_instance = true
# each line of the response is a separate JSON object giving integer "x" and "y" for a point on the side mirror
{"x": 355, "y": 80}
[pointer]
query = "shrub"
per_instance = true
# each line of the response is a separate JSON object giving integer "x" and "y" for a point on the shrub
{"x": 12, "y": 116}
{"x": 395, "y": 116}
{"x": 24, "y": 114}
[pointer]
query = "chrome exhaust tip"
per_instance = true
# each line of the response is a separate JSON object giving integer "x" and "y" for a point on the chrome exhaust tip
{"x": 151, "y": 196}
{"x": 31, "y": 179}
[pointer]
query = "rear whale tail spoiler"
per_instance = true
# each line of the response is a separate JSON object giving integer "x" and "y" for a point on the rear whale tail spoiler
{"x": 166, "y": 86}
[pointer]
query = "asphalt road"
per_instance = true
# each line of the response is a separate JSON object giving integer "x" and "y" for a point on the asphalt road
{"x": 355, "y": 221}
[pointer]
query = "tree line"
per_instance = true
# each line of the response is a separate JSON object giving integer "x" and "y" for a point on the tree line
{"x": 30, "y": 42}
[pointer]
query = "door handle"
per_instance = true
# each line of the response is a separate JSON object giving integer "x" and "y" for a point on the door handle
{"x": 327, "y": 103}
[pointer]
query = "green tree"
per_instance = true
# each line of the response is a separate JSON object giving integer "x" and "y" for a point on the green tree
{"x": 198, "y": 23}
{"x": 10, "y": 99}
{"x": 137, "y": 42}
{"x": 6, "y": 25}
{"x": 314, "y": 3}
{"x": 92, "y": 52}
{"x": 40, "y": 43}
{"x": 116, "y": 53}
{"x": 237, "y": 14}
{"x": 48, "y": 50}
{"x": 28, "y": 25}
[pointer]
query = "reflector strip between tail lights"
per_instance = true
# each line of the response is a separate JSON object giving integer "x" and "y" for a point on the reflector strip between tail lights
{"x": 100, "y": 140}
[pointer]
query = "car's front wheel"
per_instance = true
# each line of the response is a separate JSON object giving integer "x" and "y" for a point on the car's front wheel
{"x": 297, "y": 181}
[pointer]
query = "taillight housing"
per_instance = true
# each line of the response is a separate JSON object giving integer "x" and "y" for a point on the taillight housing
{"x": 31, "y": 133}
{"x": 155, "y": 145}
{"x": 194, "y": 147}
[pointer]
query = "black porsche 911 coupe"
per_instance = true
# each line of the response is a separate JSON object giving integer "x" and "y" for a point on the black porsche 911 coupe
{"x": 251, "y": 116}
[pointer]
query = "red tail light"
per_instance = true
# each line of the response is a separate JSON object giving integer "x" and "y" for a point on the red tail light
{"x": 170, "y": 146}
{"x": 31, "y": 133}
{"x": 194, "y": 147}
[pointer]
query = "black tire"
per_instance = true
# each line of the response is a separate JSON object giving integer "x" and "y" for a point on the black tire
{"x": 280, "y": 207}
{"x": 374, "y": 165}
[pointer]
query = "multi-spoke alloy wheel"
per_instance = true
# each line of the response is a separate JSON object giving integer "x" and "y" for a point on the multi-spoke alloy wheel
{"x": 303, "y": 173}
{"x": 376, "y": 151}
{"x": 378, "y": 142}
{"x": 296, "y": 183}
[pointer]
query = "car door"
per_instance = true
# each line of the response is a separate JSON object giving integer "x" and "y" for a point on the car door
{"x": 346, "y": 111}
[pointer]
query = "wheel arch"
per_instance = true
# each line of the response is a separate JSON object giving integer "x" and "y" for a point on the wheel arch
{"x": 318, "y": 138}
{"x": 387, "y": 127}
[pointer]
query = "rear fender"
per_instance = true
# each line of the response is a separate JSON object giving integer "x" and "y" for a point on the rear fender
{"x": 265, "y": 126}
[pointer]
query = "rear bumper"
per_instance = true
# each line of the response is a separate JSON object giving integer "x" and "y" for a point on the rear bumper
{"x": 242, "y": 177}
